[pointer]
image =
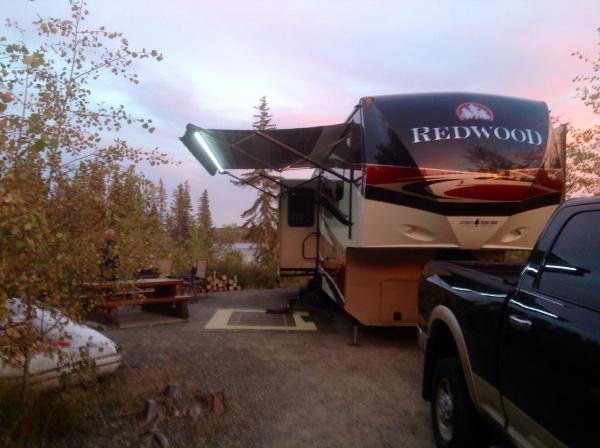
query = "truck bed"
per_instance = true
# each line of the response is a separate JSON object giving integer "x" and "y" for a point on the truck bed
{"x": 475, "y": 291}
{"x": 506, "y": 272}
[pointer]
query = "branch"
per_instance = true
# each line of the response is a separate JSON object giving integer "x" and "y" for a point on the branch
{"x": 74, "y": 58}
{"x": 80, "y": 158}
{"x": 96, "y": 67}
{"x": 23, "y": 111}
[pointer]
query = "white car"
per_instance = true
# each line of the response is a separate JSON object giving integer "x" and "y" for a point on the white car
{"x": 67, "y": 338}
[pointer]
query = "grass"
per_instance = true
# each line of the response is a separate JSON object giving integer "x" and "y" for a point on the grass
{"x": 39, "y": 417}
{"x": 110, "y": 412}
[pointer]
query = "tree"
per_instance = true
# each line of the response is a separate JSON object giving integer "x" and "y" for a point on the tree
{"x": 181, "y": 213}
{"x": 205, "y": 226}
{"x": 261, "y": 218}
{"x": 583, "y": 150}
{"x": 583, "y": 162}
{"x": 58, "y": 169}
{"x": 162, "y": 204}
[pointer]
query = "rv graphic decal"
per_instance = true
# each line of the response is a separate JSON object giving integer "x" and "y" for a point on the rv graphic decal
{"x": 463, "y": 193}
{"x": 427, "y": 134}
{"x": 474, "y": 111}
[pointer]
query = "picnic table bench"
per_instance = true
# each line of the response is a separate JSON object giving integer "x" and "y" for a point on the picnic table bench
{"x": 155, "y": 295}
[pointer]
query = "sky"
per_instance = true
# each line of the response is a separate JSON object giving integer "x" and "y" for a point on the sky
{"x": 313, "y": 59}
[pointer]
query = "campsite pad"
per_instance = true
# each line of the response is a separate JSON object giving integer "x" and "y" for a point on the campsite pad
{"x": 250, "y": 319}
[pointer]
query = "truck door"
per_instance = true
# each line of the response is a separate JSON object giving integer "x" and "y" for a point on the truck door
{"x": 550, "y": 344}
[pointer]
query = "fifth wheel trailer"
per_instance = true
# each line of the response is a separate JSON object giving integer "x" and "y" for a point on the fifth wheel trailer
{"x": 404, "y": 180}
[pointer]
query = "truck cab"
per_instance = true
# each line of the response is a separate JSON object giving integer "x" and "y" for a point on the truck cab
{"x": 518, "y": 346}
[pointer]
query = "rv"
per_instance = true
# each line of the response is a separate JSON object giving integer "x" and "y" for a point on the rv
{"x": 404, "y": 180}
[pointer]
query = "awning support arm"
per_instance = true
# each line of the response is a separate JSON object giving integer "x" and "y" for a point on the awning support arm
{"x": 327, "y": 147}
{"x": 302, "y": 156}
{"x": 246, "y": 153}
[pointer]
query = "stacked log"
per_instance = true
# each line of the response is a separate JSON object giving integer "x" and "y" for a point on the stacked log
{"x": 223, "y": 282}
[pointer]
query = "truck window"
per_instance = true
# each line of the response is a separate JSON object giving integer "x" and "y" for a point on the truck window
{"x": 301, "y": 207}
{"x": 572, "y": 268}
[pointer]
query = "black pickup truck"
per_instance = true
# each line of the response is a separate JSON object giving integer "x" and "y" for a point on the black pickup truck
{"x": 518, "y": 346}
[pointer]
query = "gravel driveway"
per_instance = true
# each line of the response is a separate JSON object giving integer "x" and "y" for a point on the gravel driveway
{"x": 288, "y": 388}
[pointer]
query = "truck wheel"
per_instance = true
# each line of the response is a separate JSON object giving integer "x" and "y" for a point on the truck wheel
{"x": 454, "y": 419}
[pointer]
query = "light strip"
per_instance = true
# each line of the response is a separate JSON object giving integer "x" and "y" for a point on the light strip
{"x": 208, "y": 151}
{"x": 564, "y": 268}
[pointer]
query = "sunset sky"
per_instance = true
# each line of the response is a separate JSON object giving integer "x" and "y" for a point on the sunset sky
{"x": 314, "y": 59}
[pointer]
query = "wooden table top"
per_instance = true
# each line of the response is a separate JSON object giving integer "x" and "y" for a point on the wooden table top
{"x": 138, "y": 283}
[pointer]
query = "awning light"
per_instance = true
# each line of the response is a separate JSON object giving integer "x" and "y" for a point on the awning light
{"x": 208, "y": 151}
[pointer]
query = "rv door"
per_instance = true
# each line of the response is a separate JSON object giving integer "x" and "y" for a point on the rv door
{"x": 297, "y": 230}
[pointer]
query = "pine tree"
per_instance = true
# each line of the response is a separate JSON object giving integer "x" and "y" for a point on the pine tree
{"x": 162, "y": 204}
{"x": 205, "y": 224}
{"x": 261, "y": 218}
{"x": 181, "y": 215}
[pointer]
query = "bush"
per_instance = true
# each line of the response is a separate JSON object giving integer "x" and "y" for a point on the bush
{"x": 42, "y": 416}
{"x": 249, "y": 275}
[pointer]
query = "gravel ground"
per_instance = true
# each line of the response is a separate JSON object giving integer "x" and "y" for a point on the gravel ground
{"x": 293, "y": 389}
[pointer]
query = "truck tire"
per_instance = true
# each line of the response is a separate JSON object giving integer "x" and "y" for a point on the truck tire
{"x": 454, "y": 419}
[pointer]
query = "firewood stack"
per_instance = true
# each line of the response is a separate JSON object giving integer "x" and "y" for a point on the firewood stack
{"x": 221, "y": 283}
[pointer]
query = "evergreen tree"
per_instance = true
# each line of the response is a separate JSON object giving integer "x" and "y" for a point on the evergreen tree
{"x": 181, "y": 216}
{"x": 205, "y": 224}
{"x": 261, "y": 218}
{"x": 162, "y": 204}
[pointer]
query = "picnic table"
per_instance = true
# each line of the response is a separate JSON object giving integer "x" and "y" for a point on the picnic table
{"x": 155, "y": 295}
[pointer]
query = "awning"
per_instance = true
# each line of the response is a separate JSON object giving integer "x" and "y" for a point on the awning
{"x": 276, "y": 149}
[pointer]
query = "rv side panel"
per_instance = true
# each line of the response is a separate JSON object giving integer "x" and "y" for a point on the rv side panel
{"x": 381, "y": 285}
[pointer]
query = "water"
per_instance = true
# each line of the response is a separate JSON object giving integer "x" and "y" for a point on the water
{"x": 246, "y": 249}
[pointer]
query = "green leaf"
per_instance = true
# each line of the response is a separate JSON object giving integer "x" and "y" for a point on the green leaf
{"x": 35, "y": 123}
{"x": 39, "y": 145}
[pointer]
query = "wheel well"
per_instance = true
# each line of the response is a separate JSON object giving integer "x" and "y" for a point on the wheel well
{"x": 440, "y": 344}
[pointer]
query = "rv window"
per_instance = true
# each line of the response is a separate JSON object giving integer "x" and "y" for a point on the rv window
{"x": 301, "y": 208}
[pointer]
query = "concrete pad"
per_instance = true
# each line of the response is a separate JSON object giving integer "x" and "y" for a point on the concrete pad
{"x": 231, "y": 319}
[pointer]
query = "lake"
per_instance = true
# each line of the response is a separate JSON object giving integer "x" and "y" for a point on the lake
{"x": 246, "y": 249}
